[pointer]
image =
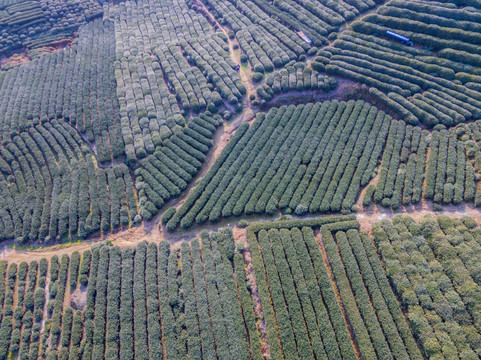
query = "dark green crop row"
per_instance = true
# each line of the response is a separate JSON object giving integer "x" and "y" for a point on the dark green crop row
{"x": 28, "y": 23}
{"x": 143, "y": 302}
{"x": 48, "y": 92}
{"x": 294, "y": 272}
{"x": 62, "y": 194}
{"x": 172, "y": 167}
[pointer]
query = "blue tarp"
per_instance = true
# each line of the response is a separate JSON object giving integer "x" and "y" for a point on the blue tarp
{"x": 397, "y": 36}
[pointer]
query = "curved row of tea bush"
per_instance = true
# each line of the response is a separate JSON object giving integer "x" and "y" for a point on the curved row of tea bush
{"x": 265, "y": 42}
{"x": 276, "y": 21}
{"x": 174, "y": 67}
{"x": 432, "y": 82}
{"x": 211, "y": 55}
{"x": 294, "y": 78}
{"x": 76, "y": 84}
{"x": 35, "y": 23}
{"x": 171, "y": 168}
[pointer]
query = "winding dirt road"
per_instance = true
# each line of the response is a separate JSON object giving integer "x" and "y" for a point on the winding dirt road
{"x": 130, "y": 237}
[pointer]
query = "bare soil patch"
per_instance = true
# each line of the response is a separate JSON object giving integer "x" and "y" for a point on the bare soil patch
{"x": 240, "y": 235}
{"x": 14, "y": 60}
{"x": 78, "y": 299}
{"x": 375, "y": 213}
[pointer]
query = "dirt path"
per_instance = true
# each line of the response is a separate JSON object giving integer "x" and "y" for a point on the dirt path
{"x": 124, "y": 238}
{"x": 131, "y": 237}
{"x": 338, "y": 295}
{"x": 222, "y": 136}
{"x": 245, "y": 72}
{"x": 377, "y": 213}
{"x": 240, "y": 235}
{"x": 151, "y": 231}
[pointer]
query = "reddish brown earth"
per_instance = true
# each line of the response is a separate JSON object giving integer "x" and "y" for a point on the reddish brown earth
{"x": 14, "y": 60}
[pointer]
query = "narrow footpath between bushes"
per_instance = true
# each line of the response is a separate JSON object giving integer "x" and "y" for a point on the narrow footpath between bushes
{"x": 133, "y": 236}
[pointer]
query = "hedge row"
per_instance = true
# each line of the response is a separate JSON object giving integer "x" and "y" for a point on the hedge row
{"x": 153, "y": 294}
{"x": 190, "y": 92}
{"x": 290, "y": 286}
{"x": 292, "y": 274}
{"x": 26, "y": 24}
{"x": 169, "y": 171}
{"x": 297, "y": 159}
{"x": 266, "y": 43}
{"x": 273, "y": 21}
{"x": 211, "y": 55}
{"x": 364, "y": 322}
{"x": 439, "y": 253}
{"x": 173, "y": 67}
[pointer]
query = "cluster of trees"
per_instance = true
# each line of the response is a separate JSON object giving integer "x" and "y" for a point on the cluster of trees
{"x": 447, "y": 175}
{"x": 52, "y": 188}
{"x": 420, "y": 85}
{"x": 29, "y": 24}
{"x": 195, "y": 288}
{"x": 167, "y": 172}
{"x": 431, "y": 265}
{"x": 297, "y": 77}
{"x": 42, "y": 90}
{"x": 297, "y": 158}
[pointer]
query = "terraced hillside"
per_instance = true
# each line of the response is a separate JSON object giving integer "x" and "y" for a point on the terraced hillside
{"x": 240, "y": 179}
